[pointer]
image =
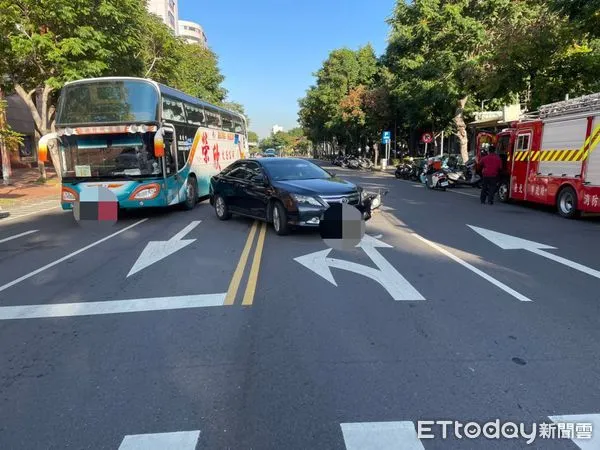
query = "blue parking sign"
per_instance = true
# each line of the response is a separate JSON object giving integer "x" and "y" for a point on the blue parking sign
{"x": 386, "y": 137}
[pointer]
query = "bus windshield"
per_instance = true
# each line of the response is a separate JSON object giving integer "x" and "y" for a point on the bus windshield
{"x": 108, "y": 101}
{"x": 108, "y": 156}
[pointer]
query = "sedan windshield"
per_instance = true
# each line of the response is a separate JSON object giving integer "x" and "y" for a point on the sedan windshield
{"x": 283, "y": 170}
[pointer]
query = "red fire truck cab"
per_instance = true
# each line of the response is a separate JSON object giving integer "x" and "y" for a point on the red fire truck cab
{"x": 553, "y": 159}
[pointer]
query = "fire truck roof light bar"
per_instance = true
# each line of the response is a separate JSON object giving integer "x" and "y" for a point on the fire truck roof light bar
{"x": 576, "y": 105}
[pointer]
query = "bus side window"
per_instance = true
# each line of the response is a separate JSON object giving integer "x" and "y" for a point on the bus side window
{"x": 213, "y": 119}
{"x": 170, "y": 153}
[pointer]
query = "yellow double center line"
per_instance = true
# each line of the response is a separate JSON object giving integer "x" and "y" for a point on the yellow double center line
{"x": 236, "y": 280}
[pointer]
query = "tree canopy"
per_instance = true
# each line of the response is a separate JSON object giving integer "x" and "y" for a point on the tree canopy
{"x": 445, "y": 57}
{"x": 45, "y": 43}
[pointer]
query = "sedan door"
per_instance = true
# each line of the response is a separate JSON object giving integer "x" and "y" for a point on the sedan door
{"x": 258, "y": 191}
{"x": 226, "y": 185}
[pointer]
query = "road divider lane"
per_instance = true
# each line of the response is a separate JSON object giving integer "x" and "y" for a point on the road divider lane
{"x": 234, "y": 284}
{"x": 110, "y": 307}
{"x": 254, "y": 270}
{"x": 69, "y": 256}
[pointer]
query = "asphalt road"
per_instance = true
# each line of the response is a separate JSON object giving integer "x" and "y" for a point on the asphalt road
{"x": 231, "y": 342}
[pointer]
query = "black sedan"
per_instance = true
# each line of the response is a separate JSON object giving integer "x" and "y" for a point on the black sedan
{"x": 285, "y": 191}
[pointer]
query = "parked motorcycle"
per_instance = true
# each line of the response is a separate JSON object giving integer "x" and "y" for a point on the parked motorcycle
{"x": 433, "y": 176}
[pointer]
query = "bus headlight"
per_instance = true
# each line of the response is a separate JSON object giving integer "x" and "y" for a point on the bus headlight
{"x": 146, "y": 192}
{"x": 68, "y": 195}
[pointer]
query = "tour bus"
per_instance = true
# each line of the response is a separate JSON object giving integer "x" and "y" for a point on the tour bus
{"x": 150, "y": 144}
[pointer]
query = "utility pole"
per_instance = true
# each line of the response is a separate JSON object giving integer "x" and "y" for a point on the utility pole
{"x": 6, "y": 169}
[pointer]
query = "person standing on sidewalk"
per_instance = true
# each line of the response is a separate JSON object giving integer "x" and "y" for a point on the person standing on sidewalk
{"x": 491, "y": 166}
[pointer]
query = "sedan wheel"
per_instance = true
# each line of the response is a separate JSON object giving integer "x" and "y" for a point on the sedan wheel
{"x": 221, "y": 208}
{"x": 279, "y": 215}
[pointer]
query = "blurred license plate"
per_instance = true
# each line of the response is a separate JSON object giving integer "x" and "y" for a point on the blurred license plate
{"x": 444, "y": 184}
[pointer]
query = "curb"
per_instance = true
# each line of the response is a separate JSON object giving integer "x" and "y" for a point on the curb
{"x": 3, "y": 214}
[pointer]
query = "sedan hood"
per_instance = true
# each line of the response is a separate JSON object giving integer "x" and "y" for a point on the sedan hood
{"x": 331, "y": 186}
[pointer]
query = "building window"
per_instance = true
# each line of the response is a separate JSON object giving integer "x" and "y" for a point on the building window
{"x": 171, "y": 19}
{"x": 172, "y": 5}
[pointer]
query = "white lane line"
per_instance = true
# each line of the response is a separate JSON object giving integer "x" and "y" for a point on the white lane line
{"x": 70, "y": 255}
{"x": 180, "y": 440}
{"x": 463, "y": 263}
{"x": 463, "y": 193}
{"x": 585, "y": 432}
{"x": 111, "y": 307}
{"x": 474, "y": 269}
{"x": 16, "y": 236}
{"x": 8, "y": 219}
{"x": 381, "y": 436}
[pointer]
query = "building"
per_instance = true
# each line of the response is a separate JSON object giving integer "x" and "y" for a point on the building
{"x": 167, "y": 10}
{"x": 276, "y": 129}
{"x": 192, "y": 33}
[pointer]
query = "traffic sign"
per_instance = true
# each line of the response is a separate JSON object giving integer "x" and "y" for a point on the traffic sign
{"x": 386, "y": 137}
{"x": 427, "y": 138}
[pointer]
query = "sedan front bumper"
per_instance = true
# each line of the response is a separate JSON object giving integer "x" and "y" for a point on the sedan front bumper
{"x": 311, "y": 216}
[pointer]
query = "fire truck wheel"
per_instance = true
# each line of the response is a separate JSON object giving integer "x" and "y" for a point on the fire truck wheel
{"x": 566, "y": 202}
{"x": 503, "y": 192}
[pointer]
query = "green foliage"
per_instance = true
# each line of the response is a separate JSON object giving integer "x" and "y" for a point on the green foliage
{"x": 445, "y": 57}
{"x": 289, "y": 142}
{"x": 11, "y": 138}
{"x": 54, "y": 41}
{"x": 334, "y": 106}
{"x": 252, "y": 136}
{"x": 45, "y": 43}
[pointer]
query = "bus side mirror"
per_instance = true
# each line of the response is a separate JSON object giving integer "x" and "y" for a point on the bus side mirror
{"x": 159, "y": 144}
{"x": 43, "y": 146}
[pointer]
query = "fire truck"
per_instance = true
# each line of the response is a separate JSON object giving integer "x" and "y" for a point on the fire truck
{"x": 552, "y": 157}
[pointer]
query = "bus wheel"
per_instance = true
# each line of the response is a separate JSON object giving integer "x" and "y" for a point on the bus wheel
{"x": 503, "y": 190}
{"x": 566, "y": 203}
{"x": 191, "y": 192}
{"x": 221, "y": 209}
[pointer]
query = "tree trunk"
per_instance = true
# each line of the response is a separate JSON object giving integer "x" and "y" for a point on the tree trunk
{"x": 4, "y": 150}
{"x": 376, "y": 151}
{"x": 461, "y": 128}
{"x": 43, "y": 117}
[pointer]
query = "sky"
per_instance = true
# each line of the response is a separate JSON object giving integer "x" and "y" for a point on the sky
{"x": 269, "y": 49}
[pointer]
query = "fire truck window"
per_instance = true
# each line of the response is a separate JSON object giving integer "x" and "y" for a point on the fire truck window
{"x": 523, "y": 142}
{"x": 502, "y": 148}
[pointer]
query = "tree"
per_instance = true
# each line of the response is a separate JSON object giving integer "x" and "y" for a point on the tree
{"x": 436, "y": 50}
{"x": 584, "y": 14}
{"x": 43, "y": 44}
{"x": 199, "y": 74}
{"x": 331, "y": 108}
{"x": 252, "y": 136}
{"x": 540, "y": 56}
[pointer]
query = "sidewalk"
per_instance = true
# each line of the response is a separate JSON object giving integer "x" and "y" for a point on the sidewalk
{"x": 26, "y": 190}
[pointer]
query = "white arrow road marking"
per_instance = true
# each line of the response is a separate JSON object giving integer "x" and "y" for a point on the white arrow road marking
{"x": 583, "y": 420}
{"x": 397, "y": 222}
{"x": 387, "y": 275}
{"x": 16, "y": 236}
{"x": 110, "y": 307}
{"x": 157, "y": 250}
{"x": 507, "y": 242}
{"x": 70, "y": 255}
{"x": 181, "y": 440}
{"x": 381, "y": 436}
